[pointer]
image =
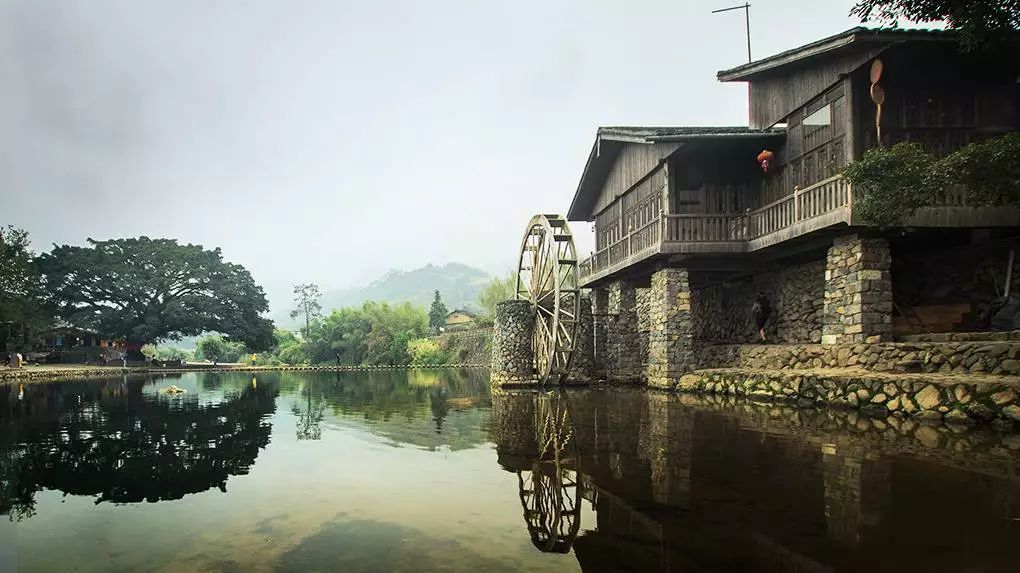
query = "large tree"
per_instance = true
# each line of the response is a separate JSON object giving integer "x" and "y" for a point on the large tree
{"x": 20, "y": 296}
{"x": 147, "y": 290}
{"x": 306, "y": 302}
{"x": 437, "y": 314}
{"x": 978, "y": 21}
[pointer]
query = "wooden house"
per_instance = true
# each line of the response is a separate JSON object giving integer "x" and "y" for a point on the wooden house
{"x": 460, "y": 318}
{"x": 690, "y": 226}
{"x": 689, "y": 194}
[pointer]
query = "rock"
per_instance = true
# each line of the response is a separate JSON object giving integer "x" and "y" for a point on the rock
{"x": 980, "y": 411}
{"x": 863, "y": 394}
{"x": 1004, "y": 397}
{"x": 928, "y": 437}
{"x": 957, "y": 416}
{"x": 933, "y": 415}
{"x": 1010, "y": 365}
{"x": 894, "y": 404}
{"x": 890, "y": 389}
{"x": 928, "y": 398}
{"x": 962, "y": 395}
{"x": 1012, "y": 412}
{"x": 878, "y": 398}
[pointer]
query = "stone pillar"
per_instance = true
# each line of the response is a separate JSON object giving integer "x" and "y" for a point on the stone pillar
{"x": 600, "y": 314}
{"x": 513, "y": 361}
{"x": 671, "y": 335}
{"x": 858, "y": 291}
{"x": 623, "y": 352}
{"x": 583, "y": 368}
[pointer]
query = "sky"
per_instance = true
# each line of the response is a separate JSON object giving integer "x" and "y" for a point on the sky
{"x": 330, "y": 141}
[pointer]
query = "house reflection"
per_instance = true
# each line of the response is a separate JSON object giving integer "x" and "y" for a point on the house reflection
{"x": 679, "y": 487}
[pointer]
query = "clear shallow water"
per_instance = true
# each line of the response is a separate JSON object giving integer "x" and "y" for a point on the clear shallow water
{"x": 429, "y": 471}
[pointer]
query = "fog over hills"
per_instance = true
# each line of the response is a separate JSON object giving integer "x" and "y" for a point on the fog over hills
{"x": 458, "y": 284}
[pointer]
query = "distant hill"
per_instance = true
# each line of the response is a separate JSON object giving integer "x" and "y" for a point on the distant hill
{"x": 458, "y": 284}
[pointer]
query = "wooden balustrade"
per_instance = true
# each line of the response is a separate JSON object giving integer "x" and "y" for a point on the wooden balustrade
{"x": 814, "y": 201}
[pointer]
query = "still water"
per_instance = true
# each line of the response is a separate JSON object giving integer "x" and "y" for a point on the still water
{"x": 432, "y": 471}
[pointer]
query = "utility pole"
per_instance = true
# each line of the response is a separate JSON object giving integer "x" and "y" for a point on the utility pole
{"x": 747, "y": 23}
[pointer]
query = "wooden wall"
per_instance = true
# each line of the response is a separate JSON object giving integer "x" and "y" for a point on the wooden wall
{"x": 634, "y": 163}
{"x": 773, "y": 99}
{"x": 939, "y": 97}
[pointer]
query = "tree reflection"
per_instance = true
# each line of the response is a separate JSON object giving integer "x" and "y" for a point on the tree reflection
{"x": 309, "y": 425}
{"x": 122, "y": 446}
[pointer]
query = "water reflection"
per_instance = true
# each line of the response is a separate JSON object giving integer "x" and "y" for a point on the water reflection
{"x": 118, "y": 443}
{"x": 394, "y": 471}
{"x": 677, "y": 484}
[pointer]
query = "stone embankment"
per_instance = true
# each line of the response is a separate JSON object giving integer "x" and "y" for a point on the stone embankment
{"x": 956, "y": 378}
{"x": 951, "y": 398}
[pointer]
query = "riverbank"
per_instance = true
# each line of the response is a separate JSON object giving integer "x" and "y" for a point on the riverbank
{"x": 55, "y": 373}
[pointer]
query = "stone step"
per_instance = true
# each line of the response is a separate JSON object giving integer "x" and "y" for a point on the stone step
{"x": 970, "y": 398}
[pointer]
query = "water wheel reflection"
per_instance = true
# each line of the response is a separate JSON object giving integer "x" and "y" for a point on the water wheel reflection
{"x": 549, "y": 492}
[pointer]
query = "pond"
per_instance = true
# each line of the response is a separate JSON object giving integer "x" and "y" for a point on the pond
{"x": 432, "y": 471}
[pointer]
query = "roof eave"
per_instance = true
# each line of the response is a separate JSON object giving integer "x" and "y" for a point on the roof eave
{"x": 746, "y": 71}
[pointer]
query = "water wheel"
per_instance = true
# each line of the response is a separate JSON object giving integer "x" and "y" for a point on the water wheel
{"x": 547, "y": 277}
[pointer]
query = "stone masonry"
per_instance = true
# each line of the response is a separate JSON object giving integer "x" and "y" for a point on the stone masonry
{"x": 623, "y": 352}
{"x": 670, "y": 337}
{"x": 600, "y": 318}
{"x": 512, "y": 356}
{"x": 583, "y": 367}
{"x": 858, "y": 291}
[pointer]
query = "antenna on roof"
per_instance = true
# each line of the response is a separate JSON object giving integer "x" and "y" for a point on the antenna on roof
{"x": 747, "y": 23}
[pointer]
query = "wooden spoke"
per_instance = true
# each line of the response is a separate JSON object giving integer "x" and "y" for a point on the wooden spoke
{"x": 547, "y": 277}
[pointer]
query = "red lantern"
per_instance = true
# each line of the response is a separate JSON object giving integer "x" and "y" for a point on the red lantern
{"x": 765, "y": 160}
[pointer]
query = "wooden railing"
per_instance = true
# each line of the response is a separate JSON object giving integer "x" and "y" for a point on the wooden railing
{"x": 706, "y": 228}
{"x": 816, "y": 200}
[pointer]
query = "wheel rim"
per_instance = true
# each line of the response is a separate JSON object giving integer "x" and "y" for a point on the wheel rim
{"x": 547, "y": 277}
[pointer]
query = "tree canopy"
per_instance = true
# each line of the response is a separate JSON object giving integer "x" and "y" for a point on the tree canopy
{"x": 978, "y": 21}
{"x": 19, "y": 279}
{"x": 375, "y": 333}
{"x": 148, "y": 290}
{"x": 496, "y": 291}
{"x": 306, "y": 302}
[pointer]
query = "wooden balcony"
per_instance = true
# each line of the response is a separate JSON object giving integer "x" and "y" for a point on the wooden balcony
{"x": 824, "y": 204}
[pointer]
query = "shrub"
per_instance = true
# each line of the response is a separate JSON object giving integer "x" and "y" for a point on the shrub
{"x": 990, "y": 169}
{"x": 425, "y": 352}
{"x": 891, "y": 181}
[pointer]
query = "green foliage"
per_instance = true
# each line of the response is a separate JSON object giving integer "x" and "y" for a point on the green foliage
{"x": 171, "y": 353}
{"x": 148, "y": 351}
{"x": 288, "y": 349}
{"x": 977, "y": 21}
{"x": 437, "y": 314}
{"x": 376, "y": 333}
{"x": 989, "y": 169}
{"x": 20, "y": 295}
{"x": 496, "y": 291}
{"x": 892, "y": 182}
{"x": 425, "y": 352}
{"x": 215, "y": 348}
{"x": 148, "y": 290}
{"x": 306, "y": 302}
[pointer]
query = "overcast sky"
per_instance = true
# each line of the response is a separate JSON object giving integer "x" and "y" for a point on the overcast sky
{"x": 332, "y": 141}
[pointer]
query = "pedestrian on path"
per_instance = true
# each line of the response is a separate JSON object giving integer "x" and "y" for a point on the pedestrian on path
{"x": 761, "y": 310}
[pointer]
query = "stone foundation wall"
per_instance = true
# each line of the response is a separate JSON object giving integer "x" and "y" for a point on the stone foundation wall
{"x": 979, "y": 357}
{"x": 583, "y": 367}
{"x": 902, "y": 396}
{"x": 624, "y": 362}
{"x": 512, "y": 356}
{"x": 642, "y": 305}
{"x": 722, "y": 312}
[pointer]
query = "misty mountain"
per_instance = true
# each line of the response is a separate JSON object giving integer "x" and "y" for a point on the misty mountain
{"x": 458, "y": 284}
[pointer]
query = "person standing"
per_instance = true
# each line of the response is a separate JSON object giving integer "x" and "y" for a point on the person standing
{"x": 761, "y": 310}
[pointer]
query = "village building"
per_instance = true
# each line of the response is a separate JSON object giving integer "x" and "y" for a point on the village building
{"x": 690, "y": 225}
{"x": 460, "y": 318}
